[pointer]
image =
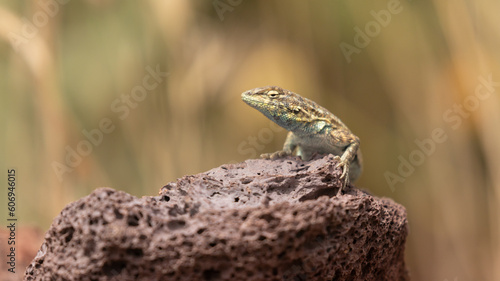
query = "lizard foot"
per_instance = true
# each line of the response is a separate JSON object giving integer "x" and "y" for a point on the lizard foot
{"x": 344, "y": 165}
{"x": 275, "y": 155}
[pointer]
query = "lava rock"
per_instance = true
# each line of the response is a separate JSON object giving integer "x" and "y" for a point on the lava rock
{"x": 256, "y": 220}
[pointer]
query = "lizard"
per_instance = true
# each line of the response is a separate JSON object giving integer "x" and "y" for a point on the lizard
{"x": 312, "y": 129}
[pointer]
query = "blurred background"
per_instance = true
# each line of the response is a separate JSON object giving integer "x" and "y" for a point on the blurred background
{"x": 134, "y": 94}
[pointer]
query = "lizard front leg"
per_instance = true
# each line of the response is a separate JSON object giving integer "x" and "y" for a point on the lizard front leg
{"x": 347, "y": 158}
{"x": 351, "y": 142}
{"x": 288, "y": 148}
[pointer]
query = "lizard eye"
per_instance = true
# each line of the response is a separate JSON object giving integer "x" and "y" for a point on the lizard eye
{"x": 272, "y": 94}
{"x": 296, "y": 110}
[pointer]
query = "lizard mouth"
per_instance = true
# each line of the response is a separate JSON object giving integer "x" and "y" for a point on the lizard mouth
{"x": 248, "y": 99}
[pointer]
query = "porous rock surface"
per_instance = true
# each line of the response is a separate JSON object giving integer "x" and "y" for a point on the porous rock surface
{"x": 256, "y": 220}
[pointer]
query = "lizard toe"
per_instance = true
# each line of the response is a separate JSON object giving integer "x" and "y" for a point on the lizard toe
{"x": 265, "y": 156}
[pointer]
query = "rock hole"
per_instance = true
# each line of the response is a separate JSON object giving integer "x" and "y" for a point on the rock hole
{"x": 118, "y": 215}
{"x": 165, "y": 198}
{"x": 215, "y": 193}
{"x": 236, "y": 199}
{"x": 269, "y": 218}
{"x": 176, "y": 210}
{"x": 201, "y": 230}
{"x": 176, "y": 224}
{"x": 89, "y": 248}
{"x": 195, "y": 209}
{"x": 211, "y": 274}
{"x": 113, "y": 268}
{"x": 68, "y": 232}
{"x": 148, "y": 221}
{"x": 327, "y": 178}
{"x": 365, "y": 269}
{"x": 136, "y": 252}
{"x": 246, "y": 180}
{"x": 132, "y": 220}
{"x": 369, "y": 256}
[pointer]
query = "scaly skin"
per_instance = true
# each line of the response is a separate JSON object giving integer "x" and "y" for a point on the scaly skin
{"x": 313, "y": 129}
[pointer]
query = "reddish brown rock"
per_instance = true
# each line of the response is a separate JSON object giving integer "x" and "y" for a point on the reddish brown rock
{"x": 256, "y": 220}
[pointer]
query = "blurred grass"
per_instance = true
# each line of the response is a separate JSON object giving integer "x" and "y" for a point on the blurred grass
{"x": 396, "y": 90}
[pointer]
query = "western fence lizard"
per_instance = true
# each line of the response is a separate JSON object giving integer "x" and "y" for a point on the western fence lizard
{"x": 313, "y": 129}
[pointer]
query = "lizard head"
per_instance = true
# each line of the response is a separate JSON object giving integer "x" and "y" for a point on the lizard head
{"x": 284, "y": 107}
